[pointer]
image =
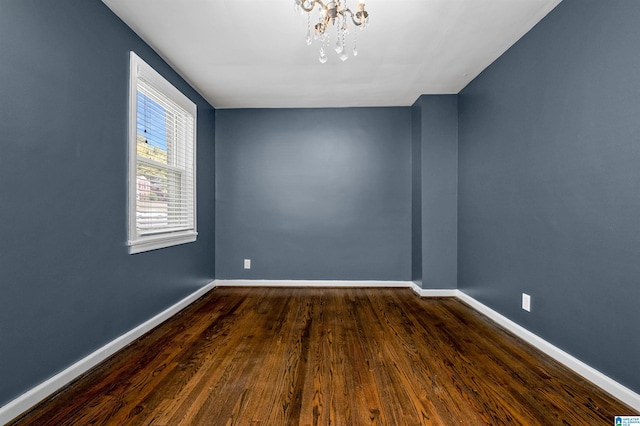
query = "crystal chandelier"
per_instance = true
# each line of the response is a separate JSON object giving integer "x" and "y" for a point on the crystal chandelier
{"x": 333, "y": 14}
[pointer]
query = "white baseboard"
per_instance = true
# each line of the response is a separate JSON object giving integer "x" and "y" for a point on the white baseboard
{"x": 427, "y": 292}
{"x": 30, "y": 398}
{"x": 330, "y": 283}
{"x": 310, "y": 283}
{"x": 33, "y": 396}
{"x": 619, "y": 391}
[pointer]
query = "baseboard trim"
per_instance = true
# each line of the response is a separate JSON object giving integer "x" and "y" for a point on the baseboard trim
{"x": 339, "y": 283}
{"x": 33, "y": 396}
{"x": 599, "y": 379}
{"x": 431, "y": 292}
{"x": 311, "y": 283}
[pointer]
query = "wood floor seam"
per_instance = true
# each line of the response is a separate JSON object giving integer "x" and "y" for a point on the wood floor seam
{"x": 328, "y": 356}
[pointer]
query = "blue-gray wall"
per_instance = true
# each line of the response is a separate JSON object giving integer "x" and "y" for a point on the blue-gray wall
{"x": 67, "y": 284}
{"x": 416, "y": 193}
{"x": 438, "y": 163}
{"x": 314, "y": 194}
{"x": 549, "y": 184}
{"x": 548, "y": 148}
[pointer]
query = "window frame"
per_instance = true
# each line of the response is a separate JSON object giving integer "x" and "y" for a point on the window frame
{"x": 139, "y": 242}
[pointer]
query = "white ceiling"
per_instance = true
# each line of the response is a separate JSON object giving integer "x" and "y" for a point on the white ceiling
{"x": 253, "y": 54}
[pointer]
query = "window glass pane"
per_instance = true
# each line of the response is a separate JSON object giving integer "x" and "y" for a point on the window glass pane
{"x": 152, "y": 208}
{"x": 162, "y": 200}
{"x": 177, "y": 204}
{"x": 151, "y": 129}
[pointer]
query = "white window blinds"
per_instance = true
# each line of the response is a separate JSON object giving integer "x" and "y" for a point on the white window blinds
{"x": 162, "y": 166}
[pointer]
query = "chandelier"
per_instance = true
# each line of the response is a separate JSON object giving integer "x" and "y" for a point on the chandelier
{"x": 333, "y": 14}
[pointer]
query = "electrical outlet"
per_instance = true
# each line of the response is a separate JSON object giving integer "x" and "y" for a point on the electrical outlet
{"x": 247, "y": 264}
{"x": 526, "y": 302}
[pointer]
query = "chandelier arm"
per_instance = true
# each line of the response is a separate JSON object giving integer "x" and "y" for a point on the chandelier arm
{"x": 352, "y": 15}
{"x": 313, "y": 5}
{"x": 353, "y": 18}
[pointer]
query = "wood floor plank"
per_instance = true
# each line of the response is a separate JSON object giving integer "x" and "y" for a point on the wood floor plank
{"x": 326, "y": 356}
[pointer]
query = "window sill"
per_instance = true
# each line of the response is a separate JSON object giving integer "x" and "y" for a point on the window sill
{"x": 161, "y": 241}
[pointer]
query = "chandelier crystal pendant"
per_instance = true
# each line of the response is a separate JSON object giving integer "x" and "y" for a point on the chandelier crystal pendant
{"x": 333, "y": 14}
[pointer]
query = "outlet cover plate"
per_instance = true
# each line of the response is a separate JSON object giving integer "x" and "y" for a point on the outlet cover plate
{"x": 526, "y": 302}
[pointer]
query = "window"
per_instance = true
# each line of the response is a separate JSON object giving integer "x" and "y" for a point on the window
{"x": 162, "y": 186}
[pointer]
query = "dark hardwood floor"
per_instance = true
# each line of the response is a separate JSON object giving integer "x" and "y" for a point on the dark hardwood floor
{"x": 293, "y": 356}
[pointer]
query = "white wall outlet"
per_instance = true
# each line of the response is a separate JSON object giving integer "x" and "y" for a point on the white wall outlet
{"x": 526, "y": 302}
{"x": 247, "y": 264}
